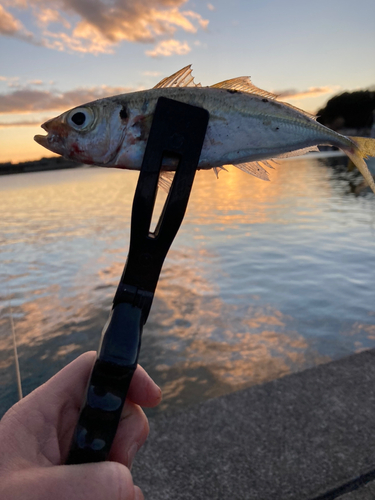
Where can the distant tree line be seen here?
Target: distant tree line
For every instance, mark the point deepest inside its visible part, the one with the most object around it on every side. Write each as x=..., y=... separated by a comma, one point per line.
x=349, y=110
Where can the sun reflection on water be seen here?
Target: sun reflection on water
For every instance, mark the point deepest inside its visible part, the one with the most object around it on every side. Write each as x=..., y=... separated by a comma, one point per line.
x=262, y=280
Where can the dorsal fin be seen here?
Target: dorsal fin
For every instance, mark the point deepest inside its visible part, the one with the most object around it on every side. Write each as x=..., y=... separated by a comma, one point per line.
x=243, y=84
x=306, y=113
x=182, y=78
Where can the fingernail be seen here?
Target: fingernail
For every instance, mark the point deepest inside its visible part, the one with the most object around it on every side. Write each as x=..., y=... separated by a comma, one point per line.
x=160, y=393
x=131, y=454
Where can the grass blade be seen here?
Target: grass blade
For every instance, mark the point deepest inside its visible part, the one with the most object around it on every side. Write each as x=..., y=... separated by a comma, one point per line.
x=18, y=373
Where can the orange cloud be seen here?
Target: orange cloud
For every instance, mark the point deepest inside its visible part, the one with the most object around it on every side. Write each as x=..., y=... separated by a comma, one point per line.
x=311, y=92
x=97, y=27
x=48, y=16
x=84, y=40
x=22, y=123
x=9, y=79
x=168, y=48
x=9, y=25
x=29, y=100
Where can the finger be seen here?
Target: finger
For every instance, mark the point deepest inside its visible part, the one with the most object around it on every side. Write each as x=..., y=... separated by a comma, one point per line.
x=131, y=434
x=138, y=493
x=94, y=481
x=60, y=398
x=68, y=385
x=58, y=402
x=143, y=391
x=50, y=410
x=66, y=389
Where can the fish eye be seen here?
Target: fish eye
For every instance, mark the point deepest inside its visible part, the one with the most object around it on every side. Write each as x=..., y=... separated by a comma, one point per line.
x=80, y=118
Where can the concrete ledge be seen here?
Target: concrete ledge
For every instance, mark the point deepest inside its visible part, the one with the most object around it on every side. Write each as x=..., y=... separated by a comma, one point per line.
x=367, y=492
x=296, y=438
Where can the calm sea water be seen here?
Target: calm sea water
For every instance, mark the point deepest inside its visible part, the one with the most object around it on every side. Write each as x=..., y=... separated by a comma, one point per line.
x=263, y=279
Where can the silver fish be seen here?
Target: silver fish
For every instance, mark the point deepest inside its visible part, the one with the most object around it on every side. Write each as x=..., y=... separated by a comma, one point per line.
x=247, y=127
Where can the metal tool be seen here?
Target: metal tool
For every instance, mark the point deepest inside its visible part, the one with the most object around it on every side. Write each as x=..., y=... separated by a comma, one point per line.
x=177, y=132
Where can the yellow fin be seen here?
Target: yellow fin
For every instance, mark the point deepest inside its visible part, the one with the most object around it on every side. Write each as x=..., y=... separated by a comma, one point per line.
x=182, y=78
x=243, y=84
x=364, y=147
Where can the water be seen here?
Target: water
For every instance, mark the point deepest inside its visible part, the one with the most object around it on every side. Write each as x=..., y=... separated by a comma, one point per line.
x=263, y=279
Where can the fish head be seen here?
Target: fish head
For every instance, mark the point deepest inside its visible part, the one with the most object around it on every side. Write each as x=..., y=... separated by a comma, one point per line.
x=92, y=133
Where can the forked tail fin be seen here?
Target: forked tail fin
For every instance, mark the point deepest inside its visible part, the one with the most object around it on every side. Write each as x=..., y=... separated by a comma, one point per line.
x=365, y=147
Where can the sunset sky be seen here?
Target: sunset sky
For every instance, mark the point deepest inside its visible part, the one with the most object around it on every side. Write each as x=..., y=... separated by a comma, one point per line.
x=57, y=54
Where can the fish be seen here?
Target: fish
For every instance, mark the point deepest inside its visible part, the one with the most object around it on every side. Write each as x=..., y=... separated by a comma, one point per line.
x=248, y=127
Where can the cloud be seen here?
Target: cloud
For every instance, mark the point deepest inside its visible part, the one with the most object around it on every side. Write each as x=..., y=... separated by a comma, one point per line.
x=210, y=7
x=6, y=79
x=203, y=23
x=47, y=16
x=29, y=100
x=98, y=25
x=10, y=26
x=93, y=42
x=311, y=92
x=168, y=48
x=14, y=82
x=22, y=123
x=11, y=81
x=32, y=98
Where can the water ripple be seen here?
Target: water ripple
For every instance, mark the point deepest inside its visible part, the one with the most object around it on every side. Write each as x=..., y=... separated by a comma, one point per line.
x=263, y=279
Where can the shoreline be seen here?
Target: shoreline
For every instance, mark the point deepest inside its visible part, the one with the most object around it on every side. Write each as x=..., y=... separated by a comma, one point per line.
x=44, y=164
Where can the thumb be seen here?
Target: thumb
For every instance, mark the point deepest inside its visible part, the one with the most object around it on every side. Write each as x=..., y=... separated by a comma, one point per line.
x=94, y=481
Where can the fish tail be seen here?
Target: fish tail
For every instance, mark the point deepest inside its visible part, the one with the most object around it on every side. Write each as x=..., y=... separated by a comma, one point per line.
x=363, y=148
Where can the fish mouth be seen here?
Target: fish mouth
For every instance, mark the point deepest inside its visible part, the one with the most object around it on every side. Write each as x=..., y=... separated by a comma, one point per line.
x=42, y=139
x=50, y=141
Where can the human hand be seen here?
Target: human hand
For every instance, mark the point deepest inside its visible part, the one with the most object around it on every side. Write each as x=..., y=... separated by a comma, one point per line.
x=35, y=436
